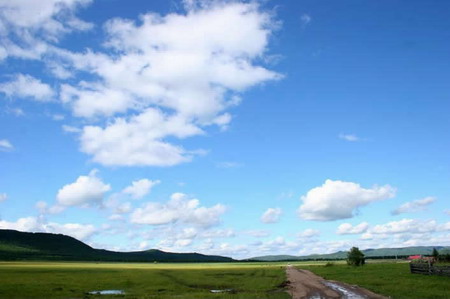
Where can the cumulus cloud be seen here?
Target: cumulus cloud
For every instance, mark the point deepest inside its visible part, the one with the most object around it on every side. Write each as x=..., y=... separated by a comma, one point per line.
x=272, y=215
x=308, y=233
x=409, y=226
x=257, y=233
x=33, y=224
x=26, y=86
x=218, y=233
x=349, y=229
x=339, y=200
x=138, y=141
x=414, y=206
x=179, y=209
x=179, y=72
x=5, y=145
x=28, y=34
x=140, y=188
x=84, y=191
x=3, y=197
x=44, y=208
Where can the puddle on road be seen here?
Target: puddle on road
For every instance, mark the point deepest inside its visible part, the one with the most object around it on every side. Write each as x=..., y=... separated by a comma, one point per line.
x=223, y=291
x=107, y=292
x=346, y=293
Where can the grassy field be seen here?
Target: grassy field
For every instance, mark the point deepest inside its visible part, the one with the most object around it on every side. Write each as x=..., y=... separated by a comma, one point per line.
x=139, y=280
x=249, y=280
x=389, y=279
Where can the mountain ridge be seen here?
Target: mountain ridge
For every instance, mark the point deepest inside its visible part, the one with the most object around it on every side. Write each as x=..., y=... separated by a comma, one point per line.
x=16, y=245
x=399, y=252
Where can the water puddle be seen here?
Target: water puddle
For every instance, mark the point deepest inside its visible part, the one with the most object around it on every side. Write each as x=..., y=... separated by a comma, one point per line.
x=107, y=292
x=346, y=293
x=223, y=291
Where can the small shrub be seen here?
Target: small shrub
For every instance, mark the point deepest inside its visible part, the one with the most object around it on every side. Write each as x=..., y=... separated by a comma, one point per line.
x=329, y=264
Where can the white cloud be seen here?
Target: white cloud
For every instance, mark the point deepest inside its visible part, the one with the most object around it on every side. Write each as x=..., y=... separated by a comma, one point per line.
x=308, y=233
x=5, y=145
x=138, y=141
x=180, y=208
x=28, y=34
x=144, y=245
x=16, y=111
x=219, y=233
x=22, y=224
x=124, y=208
x=26, y=86
x=348, y=229
x=70, y=129
x=339, y=200
x=76, y=230
x=191, y=66
x=228, y=165
x=140, y=188
x=349, y=137
x=409, y=226
x=257, y=233
x=33, y=224
x=116, y=217
x=85, y=190
x=414, y=206
x=58, y=117
x=278, y=245
x=305, y=19
x=3, y=197
x=44, y=208
x=272, y=215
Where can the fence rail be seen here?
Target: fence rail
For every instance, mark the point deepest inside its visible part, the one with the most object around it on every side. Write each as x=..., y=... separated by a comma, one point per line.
x=429, y=269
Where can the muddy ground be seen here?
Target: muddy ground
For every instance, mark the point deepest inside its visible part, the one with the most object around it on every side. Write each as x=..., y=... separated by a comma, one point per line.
x=303, y=284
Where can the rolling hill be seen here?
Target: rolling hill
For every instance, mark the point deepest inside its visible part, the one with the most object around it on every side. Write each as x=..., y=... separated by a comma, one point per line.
x=369, y=253
x=15, y=245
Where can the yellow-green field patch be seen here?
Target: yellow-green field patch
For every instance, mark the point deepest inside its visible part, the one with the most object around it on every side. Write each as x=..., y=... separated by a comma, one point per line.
x=140, y=280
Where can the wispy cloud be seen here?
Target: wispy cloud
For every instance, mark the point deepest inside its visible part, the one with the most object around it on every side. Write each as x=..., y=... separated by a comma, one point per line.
x=228, y=164
x=3, y=197
x=5, y=145
x=305, y=19
x=349, y=137
x=414, y=206
x=272, y=215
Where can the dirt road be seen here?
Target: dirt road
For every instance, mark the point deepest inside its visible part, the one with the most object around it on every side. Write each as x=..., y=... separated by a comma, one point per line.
x=304, y=284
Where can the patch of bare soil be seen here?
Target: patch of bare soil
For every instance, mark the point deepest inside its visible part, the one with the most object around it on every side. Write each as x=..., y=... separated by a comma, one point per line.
x=303, y=284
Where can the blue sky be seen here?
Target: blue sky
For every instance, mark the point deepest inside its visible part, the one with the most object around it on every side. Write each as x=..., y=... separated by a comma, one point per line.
x=226, y=127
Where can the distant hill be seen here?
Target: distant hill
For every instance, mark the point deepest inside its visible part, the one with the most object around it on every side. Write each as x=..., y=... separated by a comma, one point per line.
x=369, y=253
x=15, y=245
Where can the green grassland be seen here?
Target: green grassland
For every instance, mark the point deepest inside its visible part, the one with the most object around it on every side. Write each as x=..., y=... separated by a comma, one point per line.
x=195, y=280
x=140, y=280
x=389, y=279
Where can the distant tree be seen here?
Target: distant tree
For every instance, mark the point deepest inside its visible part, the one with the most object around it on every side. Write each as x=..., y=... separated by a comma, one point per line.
x=435, y=254
x=446, y=257
x=355, y=257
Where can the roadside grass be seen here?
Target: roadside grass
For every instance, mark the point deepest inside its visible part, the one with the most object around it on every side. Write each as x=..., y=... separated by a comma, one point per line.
x=140, y=280
x=389, y=279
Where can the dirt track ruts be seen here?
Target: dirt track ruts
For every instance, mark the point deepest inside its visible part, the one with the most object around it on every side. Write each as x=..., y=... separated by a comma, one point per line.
x=303, y=284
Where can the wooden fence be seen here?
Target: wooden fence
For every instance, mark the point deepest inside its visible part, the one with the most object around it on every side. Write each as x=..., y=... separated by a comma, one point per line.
x=427, y=269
